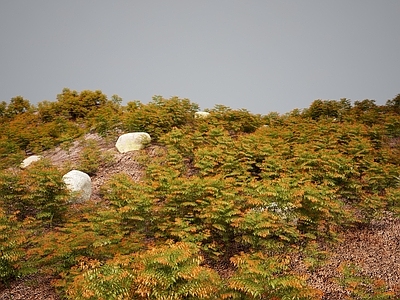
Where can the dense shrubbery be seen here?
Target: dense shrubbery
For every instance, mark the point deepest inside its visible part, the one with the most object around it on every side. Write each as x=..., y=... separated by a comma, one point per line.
x=12, y=242
x=224, y=203
x=159, y=116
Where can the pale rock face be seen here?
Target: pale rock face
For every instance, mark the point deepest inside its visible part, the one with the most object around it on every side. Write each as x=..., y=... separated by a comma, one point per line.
x=132, y=141
x=79, y=184
x=31, y=159
x=201, y=114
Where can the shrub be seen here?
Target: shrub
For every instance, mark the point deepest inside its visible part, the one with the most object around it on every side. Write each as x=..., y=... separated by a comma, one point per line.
x=159, y=116
x=38, y=191
x=12, y=242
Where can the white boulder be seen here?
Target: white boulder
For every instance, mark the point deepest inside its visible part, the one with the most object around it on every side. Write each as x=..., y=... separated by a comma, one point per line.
x=132, y=141
x=79, y=184
x=201, y=114
x=31, y=159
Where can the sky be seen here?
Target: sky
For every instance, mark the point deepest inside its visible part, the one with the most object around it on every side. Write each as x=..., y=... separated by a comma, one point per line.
x=261, y=55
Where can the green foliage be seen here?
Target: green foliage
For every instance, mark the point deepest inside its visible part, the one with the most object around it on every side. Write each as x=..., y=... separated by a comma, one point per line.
x=106, y=120
x=65, y=245
x=12, y=241
x=47, y=111
x=10, y=153
x=74, y=105
x=46, y=191
x=131, y=203
x=37, y=192
x=394, y=104
x=222, y=205
x=17, y=105
x=22, y=129
x=367, y=112
x=3, y=108
x=328, y=109
x=109, y=281
x=173, y=271
x=393, y=198
x=360, y=286
x=235, y=121
x=261, y=277
x=91, y=158
x=392, y=127
x=28, y=133
x=159, y=116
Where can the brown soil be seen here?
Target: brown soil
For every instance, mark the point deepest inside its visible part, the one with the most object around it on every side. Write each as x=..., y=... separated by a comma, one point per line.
x=68, y=159
x=375, y=249
x=29, y=288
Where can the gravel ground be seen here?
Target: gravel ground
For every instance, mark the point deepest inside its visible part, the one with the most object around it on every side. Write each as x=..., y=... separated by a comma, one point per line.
x=374, y=249
x=30, y=288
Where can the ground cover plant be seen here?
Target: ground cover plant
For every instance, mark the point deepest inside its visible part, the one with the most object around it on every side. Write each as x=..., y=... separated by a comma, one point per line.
x=226, y=207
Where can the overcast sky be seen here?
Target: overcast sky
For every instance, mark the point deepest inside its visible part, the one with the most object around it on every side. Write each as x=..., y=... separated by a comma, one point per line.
x=260, y=55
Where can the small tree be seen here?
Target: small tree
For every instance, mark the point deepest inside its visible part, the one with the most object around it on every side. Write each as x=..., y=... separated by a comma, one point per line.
x=17, y=105
x=159, y=116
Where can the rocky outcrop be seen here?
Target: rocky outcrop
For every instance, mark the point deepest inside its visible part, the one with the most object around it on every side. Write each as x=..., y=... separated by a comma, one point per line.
x=132, y=141
x=79, y=184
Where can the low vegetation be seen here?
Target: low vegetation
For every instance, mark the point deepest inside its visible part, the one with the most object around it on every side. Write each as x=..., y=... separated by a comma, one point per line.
x=224, y=204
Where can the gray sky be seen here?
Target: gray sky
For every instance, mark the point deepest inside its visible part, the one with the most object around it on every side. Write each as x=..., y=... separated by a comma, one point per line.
x=256, y=54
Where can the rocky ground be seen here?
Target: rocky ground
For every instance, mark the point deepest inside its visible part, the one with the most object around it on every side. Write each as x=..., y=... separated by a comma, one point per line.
x=374, y=249
x=30, y=288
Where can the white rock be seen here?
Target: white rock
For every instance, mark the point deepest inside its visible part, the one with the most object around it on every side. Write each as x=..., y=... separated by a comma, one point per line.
x=31, y=159
x=201, y=114
x=132, y=141
x=79, y=184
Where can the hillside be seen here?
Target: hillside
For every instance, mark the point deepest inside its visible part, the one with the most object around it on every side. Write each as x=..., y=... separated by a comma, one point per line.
x=229, y=206
x=375, y=247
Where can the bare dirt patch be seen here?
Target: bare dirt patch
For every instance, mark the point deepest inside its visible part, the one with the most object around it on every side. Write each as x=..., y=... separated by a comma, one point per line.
x=374, y=249
x=68, y=159
x=33, y=287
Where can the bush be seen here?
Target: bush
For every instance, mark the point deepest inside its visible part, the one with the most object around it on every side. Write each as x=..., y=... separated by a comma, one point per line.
x=159, y=116
x=38, y=191
x=12, y=242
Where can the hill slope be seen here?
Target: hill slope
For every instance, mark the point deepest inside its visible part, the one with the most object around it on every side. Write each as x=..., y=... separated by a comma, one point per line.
x=229, y=206
x=374, y=248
